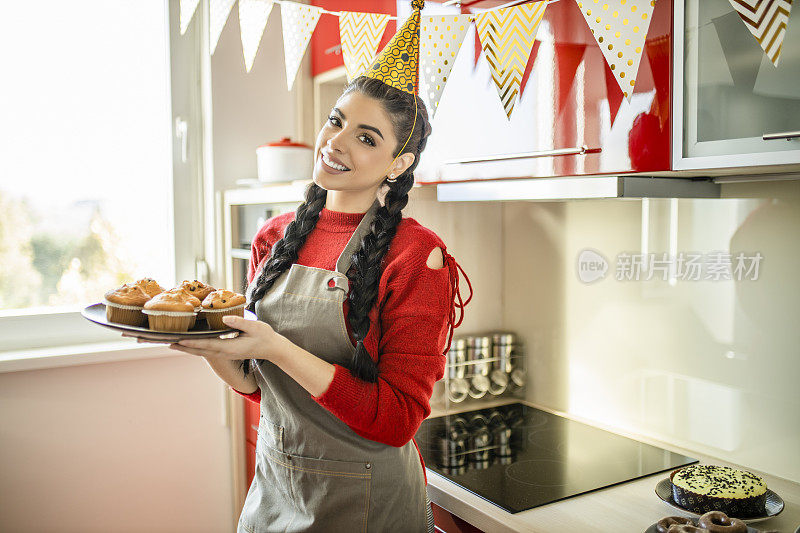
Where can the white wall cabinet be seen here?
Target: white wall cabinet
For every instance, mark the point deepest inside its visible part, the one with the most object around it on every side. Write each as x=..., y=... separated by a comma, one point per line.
x=734, y=108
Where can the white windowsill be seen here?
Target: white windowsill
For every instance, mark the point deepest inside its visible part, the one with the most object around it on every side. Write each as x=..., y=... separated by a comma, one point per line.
x=80, y=354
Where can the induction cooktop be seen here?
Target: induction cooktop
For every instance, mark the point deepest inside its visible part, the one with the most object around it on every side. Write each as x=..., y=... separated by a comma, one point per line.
x=519, y=457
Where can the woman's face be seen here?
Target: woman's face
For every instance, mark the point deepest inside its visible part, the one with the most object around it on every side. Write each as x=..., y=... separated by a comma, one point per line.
x=356, y=146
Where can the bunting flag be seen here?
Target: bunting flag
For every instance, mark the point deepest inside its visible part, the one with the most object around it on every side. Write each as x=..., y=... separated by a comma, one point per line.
x=440, y=41
x=507, y=36
x=219, y=11
x=767, y=21
x=188, y=7
x=620, y=28
x=529, y=67
x=613, y=93
x=360, y=34
x=298, y=21
x=253, y=15
x=568, y=58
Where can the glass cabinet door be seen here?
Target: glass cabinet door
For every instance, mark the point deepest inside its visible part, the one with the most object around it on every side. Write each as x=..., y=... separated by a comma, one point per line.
x=738, y=109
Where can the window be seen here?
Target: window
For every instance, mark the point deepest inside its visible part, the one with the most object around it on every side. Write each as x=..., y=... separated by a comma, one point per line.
x=86, y=158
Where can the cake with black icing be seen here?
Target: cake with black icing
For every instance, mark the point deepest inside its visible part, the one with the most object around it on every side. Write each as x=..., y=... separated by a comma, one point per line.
x=702, y=488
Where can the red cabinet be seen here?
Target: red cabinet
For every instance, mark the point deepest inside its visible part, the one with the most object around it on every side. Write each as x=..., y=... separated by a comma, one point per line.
x=252, y=414
x=569, y=101
x=450, y=523
x=325, y=54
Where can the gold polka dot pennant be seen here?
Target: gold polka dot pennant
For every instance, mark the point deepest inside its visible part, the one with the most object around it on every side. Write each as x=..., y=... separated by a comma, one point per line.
x=298, y=22
x=397, y=65
x=253, y=15
x=440, y=39
x=620, y=28
x=219, y=10
x=360, y=34
x=507, y=36
x=188, y=7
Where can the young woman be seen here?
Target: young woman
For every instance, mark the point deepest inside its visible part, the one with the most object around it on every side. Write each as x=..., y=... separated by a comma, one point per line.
x=356, y=306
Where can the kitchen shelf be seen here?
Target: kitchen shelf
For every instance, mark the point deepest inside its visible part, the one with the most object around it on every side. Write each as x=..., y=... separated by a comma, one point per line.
x=240, y=253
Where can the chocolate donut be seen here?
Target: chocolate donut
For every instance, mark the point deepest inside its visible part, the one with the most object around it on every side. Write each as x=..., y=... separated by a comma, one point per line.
x=663, y=525
x=719, y=522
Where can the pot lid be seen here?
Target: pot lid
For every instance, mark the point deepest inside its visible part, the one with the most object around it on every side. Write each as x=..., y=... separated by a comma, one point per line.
x=286, y=142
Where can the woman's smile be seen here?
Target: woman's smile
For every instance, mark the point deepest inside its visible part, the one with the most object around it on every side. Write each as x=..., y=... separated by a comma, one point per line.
x=331, y=164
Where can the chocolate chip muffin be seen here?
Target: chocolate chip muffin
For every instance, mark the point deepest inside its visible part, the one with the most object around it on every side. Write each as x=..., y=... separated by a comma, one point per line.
x=220, y=303
x=169, y=311
x=124, y=305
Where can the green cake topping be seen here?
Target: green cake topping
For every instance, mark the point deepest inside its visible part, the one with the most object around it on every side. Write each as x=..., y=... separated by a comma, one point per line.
x=719, y=481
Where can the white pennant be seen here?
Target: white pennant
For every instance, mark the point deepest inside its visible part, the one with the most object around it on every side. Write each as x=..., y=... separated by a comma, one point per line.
x=440, y=38
x=620, y=28
x=188, y=7
x=253, y=15
x=219, y=10
x=298, y=22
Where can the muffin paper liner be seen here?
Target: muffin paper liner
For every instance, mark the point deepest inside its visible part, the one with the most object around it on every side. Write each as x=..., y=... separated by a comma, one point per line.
x=130, y=315
x=214, y=316
x=169, y=320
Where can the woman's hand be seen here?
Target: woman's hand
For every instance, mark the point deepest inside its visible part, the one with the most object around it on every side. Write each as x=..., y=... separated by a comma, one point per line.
x=257, y=340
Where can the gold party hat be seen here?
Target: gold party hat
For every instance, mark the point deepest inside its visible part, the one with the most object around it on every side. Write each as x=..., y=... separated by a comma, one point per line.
x=398, y=63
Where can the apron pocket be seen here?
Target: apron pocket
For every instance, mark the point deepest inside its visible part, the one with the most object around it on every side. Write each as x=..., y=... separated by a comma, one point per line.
x=328, y=495
x=271, y=433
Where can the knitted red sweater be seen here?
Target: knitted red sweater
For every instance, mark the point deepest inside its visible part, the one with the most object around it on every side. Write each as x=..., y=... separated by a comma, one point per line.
x=410, y=325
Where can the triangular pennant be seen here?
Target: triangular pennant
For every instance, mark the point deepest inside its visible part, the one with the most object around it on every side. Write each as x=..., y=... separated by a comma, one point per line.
x=767, y=21
x=742, y=55
x=298, y=22
x=568, y=58
x=219, y=11
x=360, y=34
x=529, y=67
x=507, y=36
x=253, y=15
x=613, y=93
x=440, y=40
x=188, y=7
x=620, y=28
x=658, y=52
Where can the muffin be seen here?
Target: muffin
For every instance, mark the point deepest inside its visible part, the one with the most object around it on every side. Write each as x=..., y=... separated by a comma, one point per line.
x=169, y=311
x=124, y=305
x=199, y=290
x=703, y=488
x=150, y=286
x=195, y=301
x=221, y=303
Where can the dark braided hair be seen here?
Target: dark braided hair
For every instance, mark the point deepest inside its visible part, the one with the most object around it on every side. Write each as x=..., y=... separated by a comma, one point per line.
x=366, y=268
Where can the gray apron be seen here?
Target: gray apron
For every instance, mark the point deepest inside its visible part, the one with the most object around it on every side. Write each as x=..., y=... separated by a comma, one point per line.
x=314, y=473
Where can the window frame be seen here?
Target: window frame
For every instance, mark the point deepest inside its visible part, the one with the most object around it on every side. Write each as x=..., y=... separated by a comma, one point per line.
x=192, y=230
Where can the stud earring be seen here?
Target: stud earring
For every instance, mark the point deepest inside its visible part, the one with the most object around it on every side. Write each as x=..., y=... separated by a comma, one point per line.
x=391, y=178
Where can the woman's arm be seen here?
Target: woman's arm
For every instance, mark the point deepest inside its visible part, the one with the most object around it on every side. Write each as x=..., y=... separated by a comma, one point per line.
x=230, y=372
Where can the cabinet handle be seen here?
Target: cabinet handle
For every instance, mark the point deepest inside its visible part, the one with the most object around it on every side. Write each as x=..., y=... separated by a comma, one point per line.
x=579, y=150
x=788, y=135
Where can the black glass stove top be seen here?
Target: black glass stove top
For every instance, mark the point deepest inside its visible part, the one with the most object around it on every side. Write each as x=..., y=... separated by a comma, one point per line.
x=519, y=457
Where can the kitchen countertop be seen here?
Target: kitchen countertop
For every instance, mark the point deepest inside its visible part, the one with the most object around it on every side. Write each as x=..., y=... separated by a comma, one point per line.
x=630, y=507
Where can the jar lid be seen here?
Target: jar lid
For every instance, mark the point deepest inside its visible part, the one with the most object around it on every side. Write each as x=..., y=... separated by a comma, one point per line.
x=286, y=142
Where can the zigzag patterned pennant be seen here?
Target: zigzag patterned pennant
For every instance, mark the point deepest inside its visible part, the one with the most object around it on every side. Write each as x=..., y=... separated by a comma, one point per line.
x=620, y=28
x=298, y=21
x=440, y=40
x=188, y=7
x=507, y=37
x=253, y=15
x=219, y=10
x=360, y=34
x=767, y=21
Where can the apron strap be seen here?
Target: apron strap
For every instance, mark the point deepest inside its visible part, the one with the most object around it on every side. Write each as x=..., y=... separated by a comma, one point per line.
x=457, y=301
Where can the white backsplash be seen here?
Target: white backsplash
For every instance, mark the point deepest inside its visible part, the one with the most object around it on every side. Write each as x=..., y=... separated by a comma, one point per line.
x=710, y=365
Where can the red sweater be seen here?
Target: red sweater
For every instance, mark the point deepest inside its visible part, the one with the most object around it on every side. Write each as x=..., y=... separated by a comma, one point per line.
x=410, y=325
